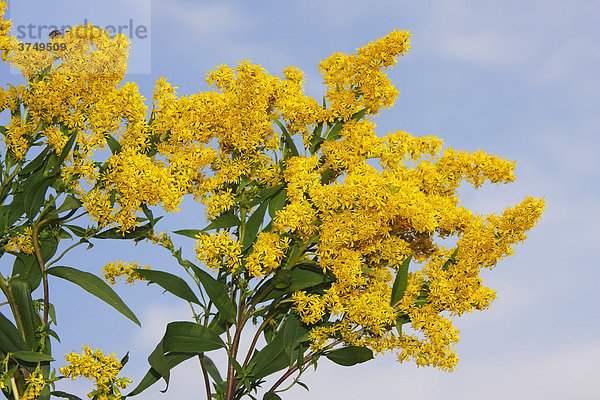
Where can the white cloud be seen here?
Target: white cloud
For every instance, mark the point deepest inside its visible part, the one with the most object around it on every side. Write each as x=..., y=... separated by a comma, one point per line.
x=155, y=320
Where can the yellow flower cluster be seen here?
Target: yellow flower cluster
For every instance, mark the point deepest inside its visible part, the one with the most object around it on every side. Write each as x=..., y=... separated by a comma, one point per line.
x=6, y=40
x=267, y=253
x=219, y=250
x=21, y=243
x=102, y=369
x=35, y=385
x=118, y=269
x=358, y=80
x=161, y=239
x=374, y=219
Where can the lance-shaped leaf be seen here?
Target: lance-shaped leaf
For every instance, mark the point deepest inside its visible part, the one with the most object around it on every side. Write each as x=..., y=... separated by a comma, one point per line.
x=358, y=115
x=277, y=202
x=271, y=358
x=351, y=355
x=35, y=193
x=27, y=268
x=10, y=338
x=271, y=396
x=191, y=233
x=152, y=376
x=171, y=283
x=70, y=203
x=211, y=368
x=67, y=148
x=31, y=356
x=113, y=144
x=22, y=297
x=253, y=226
x=288, y=139
x=316, y=140
x=294, y=333
x=64, y=395
x=36, y=163
x=180, y=337
x=401, y=320
x=189, y=337
x=451, y=260
x=114, y=233
x=96, y=286
x=334, y=132
x=227, y=220
x=217, y=292
x=400, y=282
x=267, y=194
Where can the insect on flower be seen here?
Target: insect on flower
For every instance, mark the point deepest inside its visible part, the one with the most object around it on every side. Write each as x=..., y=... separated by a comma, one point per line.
x=55, y=33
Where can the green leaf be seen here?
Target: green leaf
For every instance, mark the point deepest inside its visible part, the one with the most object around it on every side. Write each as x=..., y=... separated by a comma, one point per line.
x=288, y=139
x=224, y=221
x=277, y=203
x=31, y=320
x=159, y=363
x=316, y=140
x=77, y=230
x=70, y=203
x=401, y=320
x=400, y=282
x=450, y=261
x=67, y=149
x=17, y=208
x=271, y=191
x=189, y=337
x=48, y=247
x=303, y=277
x=64, y=395
x=27, y=268
x=282, y=279
x=10, y=337
x=271, y=358
x=358, y=115
x=152, y=376
x=293, y=334
x=334, y=132
x=114, y=233
x=171, y=283
x=96, y=286
x=191, y=233
x=351, y=355
x=253, y=225
x=218, y=294
x=35, y=192
x=113, y=144
x=31, y=356
x=35, y=164
x=211, y=368
x=271, y=396
x=327, y=176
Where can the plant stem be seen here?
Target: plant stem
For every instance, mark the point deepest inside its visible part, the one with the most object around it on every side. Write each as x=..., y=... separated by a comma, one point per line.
x=234, y=349
x=293, y=369
x=205, y=374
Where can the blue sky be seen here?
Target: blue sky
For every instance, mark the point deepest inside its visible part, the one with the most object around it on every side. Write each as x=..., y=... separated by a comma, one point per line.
x=517, y=79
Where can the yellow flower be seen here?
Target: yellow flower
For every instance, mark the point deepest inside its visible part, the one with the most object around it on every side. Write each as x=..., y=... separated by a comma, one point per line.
x=100, y=368
x=117, y=269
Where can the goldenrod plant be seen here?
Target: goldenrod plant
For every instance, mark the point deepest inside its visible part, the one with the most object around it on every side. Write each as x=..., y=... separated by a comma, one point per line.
x=333, y=242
